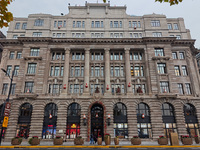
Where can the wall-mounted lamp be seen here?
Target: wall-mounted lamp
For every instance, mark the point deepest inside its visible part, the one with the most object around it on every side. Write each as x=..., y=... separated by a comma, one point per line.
x=84, y=120
x=108, y=120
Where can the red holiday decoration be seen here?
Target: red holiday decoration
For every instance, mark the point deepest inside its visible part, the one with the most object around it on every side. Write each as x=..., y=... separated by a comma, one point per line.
x=96, y=115
x=86, y=85
x=143, y=116
x=107, y=88
x=129, y=85
x=84, y=116
x=50, y=116
x=64, y=86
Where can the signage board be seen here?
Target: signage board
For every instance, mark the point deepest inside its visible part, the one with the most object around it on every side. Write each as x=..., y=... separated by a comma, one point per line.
x=5, y=122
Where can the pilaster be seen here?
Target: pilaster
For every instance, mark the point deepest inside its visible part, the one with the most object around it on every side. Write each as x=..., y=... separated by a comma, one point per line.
x=128, y=72
x=107, y=71
x=87, y=72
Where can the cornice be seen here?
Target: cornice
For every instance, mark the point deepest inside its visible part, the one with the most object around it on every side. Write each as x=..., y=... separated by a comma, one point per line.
x=119, y=41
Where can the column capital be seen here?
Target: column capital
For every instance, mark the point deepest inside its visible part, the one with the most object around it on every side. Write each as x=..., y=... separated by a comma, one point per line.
x=127, y=50
x=67, y=50
x=106, y=49
x=87, y=50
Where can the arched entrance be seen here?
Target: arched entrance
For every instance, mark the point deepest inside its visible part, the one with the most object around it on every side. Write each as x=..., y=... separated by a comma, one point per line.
x=97, y=125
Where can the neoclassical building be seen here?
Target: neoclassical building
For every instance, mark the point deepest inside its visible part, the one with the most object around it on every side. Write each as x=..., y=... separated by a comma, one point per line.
x=97, y=70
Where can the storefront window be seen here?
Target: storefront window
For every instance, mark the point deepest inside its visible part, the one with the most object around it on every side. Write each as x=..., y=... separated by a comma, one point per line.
x=73, y=121
x=169, y=121
x=144, y=121
x=191, y=121
x=120, y=120
x=50, y=120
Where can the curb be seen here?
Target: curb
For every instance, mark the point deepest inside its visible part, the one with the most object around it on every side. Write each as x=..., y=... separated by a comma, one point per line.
x=109, y=146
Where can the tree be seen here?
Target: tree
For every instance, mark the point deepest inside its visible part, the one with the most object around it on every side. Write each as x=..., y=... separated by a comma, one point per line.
x=5, y=15
x=172, y=2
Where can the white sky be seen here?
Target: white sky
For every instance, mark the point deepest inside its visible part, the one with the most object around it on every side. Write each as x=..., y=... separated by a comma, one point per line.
x=188, y=9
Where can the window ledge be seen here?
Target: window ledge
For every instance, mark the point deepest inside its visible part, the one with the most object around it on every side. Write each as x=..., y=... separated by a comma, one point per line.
x=30, y=74
x=32, y=58
x=166, y=95
x=27, y=96
x=160, y=58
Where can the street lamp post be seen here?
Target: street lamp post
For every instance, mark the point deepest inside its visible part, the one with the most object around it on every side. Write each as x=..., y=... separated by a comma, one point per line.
x=7, y=100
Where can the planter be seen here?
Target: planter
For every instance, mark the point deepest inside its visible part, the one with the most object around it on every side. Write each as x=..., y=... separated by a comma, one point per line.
x=163, y=141
x=78, y=141
x=16, y=141
x=116, y=140
x=34, y=141
x=58, y=141
x=135, y=141
x=196, y=140
x=99, y=141
x=107, y=140
x=187, y=141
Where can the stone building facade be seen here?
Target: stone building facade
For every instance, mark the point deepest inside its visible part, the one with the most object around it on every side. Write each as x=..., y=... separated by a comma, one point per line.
x=1, y=48
x=98, y=70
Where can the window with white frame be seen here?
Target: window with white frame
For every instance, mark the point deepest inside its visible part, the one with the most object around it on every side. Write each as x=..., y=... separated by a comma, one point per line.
x=164, y=87
x=28, y=87
x=180, y=88
x=137, y=71
x=39, y=22
x=15, y=36
x=135, y=35
x=177, y=71
x=116, y=56
x=175, y=26
x=77, y=71
x=55, y=88
x=76, y=88
x=178, y=37
x=93, y=88
x=9, y=68
x=97, y=71
x=24, y=25
x=19, y=55
x=161, y=68
x=31, y=68
x=117, y=88
x=57, y=71
x=12, y=54
x=184, y=70
x=97, y=35
x=159, y=51
x=16, y=70
x=79, y=24
x=115, y=24
x=116, y=70
x=4, y=89
x=78, y=35
x=157, y=34
x=78, y=56
x=181, y=55
x=169, y=25
x=97, y=56
x=35, y=52
x=12, y=92
x=116, y=35
x=97, y=24
x=155, y=23
x=188, y=89
x=58, y=56
x=37, y=34
x=17, y=25
x=174, y=55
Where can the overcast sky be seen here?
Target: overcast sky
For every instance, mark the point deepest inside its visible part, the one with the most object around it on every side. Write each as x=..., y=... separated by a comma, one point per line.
x=188, y=9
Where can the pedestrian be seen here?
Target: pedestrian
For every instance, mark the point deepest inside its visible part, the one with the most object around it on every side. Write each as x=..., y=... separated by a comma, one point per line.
x=91, y=139
x=95, y=139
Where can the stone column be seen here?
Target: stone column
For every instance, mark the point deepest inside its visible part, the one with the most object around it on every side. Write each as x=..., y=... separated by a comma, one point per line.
x=87, y=72
x=66, y=72
x=107, y=70
x=128, y=70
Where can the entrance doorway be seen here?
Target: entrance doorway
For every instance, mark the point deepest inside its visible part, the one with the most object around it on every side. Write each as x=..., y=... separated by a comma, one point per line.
x=97, y=121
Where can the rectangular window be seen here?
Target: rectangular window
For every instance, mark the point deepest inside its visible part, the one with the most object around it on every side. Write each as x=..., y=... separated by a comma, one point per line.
x=83, y=24
x=92, y=71
x=19, y=55
x=188, y=89
x=12, y=92
x=102, y=71
x=180, y=88
x=76, y=88
x=17, y=25
x=134, y=24
x=174, y=55
x=97, y=24
x=64, y=24
x=31, y=68
x=92, y=24
x=52, y=71
x=116, y=24
x=28, y=87
x=159, y=52
x=177, y=71
x=39, y=22
x=35, y=52
x=97, y=71
x=169, y=25
x=57, y=71
x=24, y=25
x=137, y=71
x=16, y=70
x=59, y=24
x=82, y=71
x=157, y=34
x=164, y=87
x=178, y=37
x=4, y=89
x=161, y=67
x=122, y=71
x=117, y=71
x=74, y=24
x=71, y=88
x=37, y=34
x=72, y=71
x=12, y=54
x=61, y=71
x=184, y=70
x=101, y=24
x=135, y=56
x=15, y=36
x=139, y=24
x=111, y=24
x=181, y=55
x=55, y=24
x=78, y=24
x=77, y=71
x=175, y=26
x=155, y=23
x=9, y=68
x=120, y=24
x=111, y=71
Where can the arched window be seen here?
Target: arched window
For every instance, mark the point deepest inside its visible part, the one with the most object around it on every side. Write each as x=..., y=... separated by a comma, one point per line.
x=24, y=120
x=169, y=121
x=120, y=120
x=144, y=121
x=50, y=120
x=191, y=120
x=73, y=120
